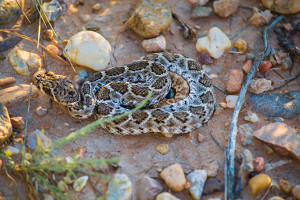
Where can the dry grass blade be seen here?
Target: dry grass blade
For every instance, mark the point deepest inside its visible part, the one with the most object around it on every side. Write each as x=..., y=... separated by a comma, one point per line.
x=36, y=42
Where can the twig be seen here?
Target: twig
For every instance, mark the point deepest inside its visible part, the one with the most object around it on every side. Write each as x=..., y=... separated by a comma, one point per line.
x=221, y=90
x=36, y=42
x=290, y=80
x=279, y=163
x=229, y=156
x=246, y=26
x=27, y=115
x=188, y=31
x=218, y=143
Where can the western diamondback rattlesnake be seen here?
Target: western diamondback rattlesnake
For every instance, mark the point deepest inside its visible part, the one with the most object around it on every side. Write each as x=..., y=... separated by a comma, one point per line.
x=116, y=90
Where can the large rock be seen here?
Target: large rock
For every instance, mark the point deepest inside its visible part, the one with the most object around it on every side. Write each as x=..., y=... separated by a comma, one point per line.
x=119, y=188
x=196, y=179
x=10, y=10
x=283, y=6
x=5, y=124
x=150, y=18
x=281, y=137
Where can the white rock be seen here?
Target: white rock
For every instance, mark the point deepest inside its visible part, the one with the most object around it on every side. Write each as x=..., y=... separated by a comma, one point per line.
x=166, y=196
x=231, y=100
x=155, y=44
x=24, y=63
x=260, y=85
x=196, y=179
x=89, y=49
x=198, y=2
x=251, y=117
x=12, y=150
x=215, y=43
x=119, y=188
x=80, y=183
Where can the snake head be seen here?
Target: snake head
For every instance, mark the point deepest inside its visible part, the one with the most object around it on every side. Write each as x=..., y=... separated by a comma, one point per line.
x=60, y=88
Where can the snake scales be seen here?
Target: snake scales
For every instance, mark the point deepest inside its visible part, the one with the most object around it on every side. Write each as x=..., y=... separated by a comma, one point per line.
x=117, y=90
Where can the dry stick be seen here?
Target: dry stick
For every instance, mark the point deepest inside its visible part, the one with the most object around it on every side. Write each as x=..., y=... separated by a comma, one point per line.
x=229, y=153
x=36, y=42
x=290, y=80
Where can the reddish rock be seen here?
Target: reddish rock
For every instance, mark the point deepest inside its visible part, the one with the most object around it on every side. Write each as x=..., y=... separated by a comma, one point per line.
x=259, y=164
x=264, y=66
x=247, y=66
x=17, y=122
x=205, y=58
x=280, y=137
x=148, y=188
x=235, y=81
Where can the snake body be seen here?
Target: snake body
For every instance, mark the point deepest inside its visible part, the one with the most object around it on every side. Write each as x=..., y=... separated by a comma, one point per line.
x=117, y=90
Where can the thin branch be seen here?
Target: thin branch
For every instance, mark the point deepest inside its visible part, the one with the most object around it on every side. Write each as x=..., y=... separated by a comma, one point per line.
x=224, y=91
x=231, y=37
x=290, y=80
x=229, y=156
x=218, y=143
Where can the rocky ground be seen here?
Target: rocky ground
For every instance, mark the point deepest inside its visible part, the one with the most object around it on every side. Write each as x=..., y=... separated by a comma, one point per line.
x=268, y=124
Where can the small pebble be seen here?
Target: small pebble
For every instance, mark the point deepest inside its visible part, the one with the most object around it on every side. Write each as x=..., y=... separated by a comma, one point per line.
x=246, y=132
x=211, y=168
x=201, y=11
x=215, y=43
x=17, y=123
x=276, y=198
x=225, y=8
x=166, y=196
x=53, y=49
x=259, y=164
x=5, y=124
x=148, y=188
x=259, y=183
x=41, y=111
x=251, y=117
x=247, y=66
x=260, y=18
x=264, y=66
x=155, y=44
x=260, y=85
x=280, y=55
x=223, y=105
x=174, y=177
x=235, y=81
x=89, y=49
x=93, y=26
x=199, y=2
x=205, y=58
x=7, y=81
x=231, y=100
x=296, y=192
x=24, y=63
x=80, y=183
x=240, y=45
x=52, y=10
x=33, y=137
x=96, y=7
x=250, y=56
x=48, y=35
x=212, y=185
x=200, y=137
x=286, y=63
x=12, y=150
x=196, y=181
x=162, y=148
x=119, y=187
x=285, y=186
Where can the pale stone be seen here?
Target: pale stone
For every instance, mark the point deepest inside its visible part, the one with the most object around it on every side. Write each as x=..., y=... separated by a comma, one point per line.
x=231, y=100
x=260, y=85
x=24, y=63
x=166, y=196
x=174, y=177
x=80, y=183
x=251, y=117
x=215, y=43
x=196, y=179
x=225, y=8
x=283, y=6
x=260, y=18
x=199, y=2
x=211, y=168
x=223, y=105
x=155, y=44
x=12, y=150
x=89, y=49
x=119, y=188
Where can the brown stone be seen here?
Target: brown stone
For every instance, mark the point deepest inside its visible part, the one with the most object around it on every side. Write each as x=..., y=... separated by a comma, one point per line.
x=260, y=18
x=174, y=177
x=264, y=66
x=283, y=6
x=7, y=81
x=296, y=192
x=150, y=18
x=235, y=81
x=285, y=186
x=18, y=122
x=259, y=164
x=281, y=137
x=225, y=8
x=247, y=66
x=148, y=188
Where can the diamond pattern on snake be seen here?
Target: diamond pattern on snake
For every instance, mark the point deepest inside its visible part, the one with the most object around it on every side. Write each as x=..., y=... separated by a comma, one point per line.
x=116, y=90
